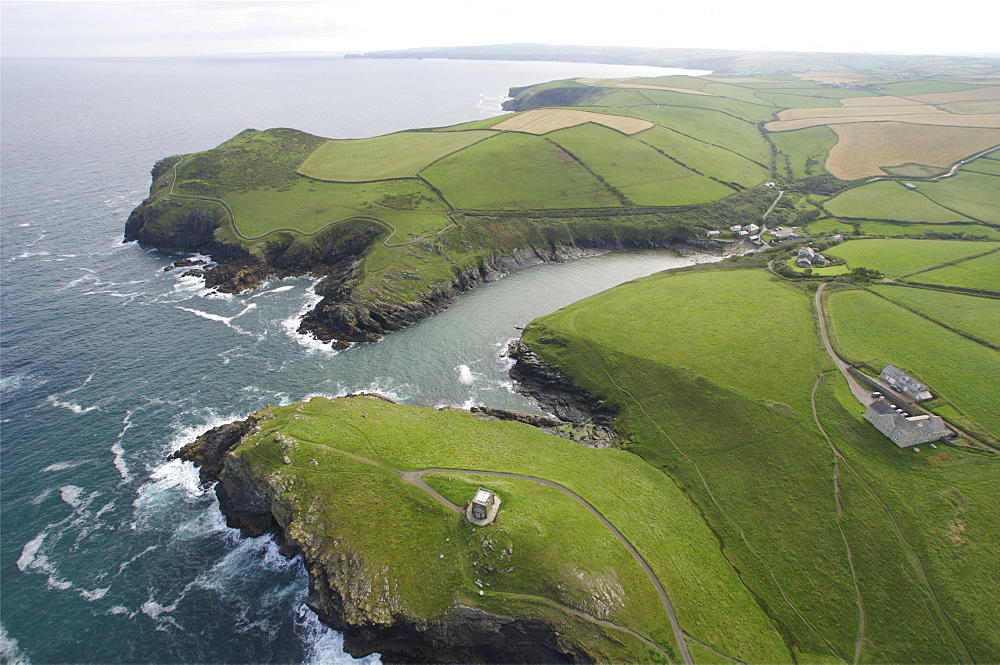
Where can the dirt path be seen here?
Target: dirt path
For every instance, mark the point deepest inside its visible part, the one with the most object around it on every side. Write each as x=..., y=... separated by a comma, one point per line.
x=862, y=394
x=416, y=478
x=714, y=499
x=862, y=619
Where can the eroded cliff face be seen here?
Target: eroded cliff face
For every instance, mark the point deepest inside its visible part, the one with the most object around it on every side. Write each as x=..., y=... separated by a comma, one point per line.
x=554, y=391
x=343, y=591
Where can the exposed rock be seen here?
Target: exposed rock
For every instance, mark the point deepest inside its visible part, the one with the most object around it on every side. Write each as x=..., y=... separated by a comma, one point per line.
x=338, y=591
x=555, y=391
x=588, y=433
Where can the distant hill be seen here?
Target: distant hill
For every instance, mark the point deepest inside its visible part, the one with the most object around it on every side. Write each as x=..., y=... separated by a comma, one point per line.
x=720, y=61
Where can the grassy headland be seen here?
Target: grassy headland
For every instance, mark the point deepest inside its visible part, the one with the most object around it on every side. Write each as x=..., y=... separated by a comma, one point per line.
x=406, y=220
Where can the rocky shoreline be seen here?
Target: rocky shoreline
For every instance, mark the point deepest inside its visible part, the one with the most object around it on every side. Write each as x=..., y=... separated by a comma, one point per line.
x=255, y=505
x=341, y=317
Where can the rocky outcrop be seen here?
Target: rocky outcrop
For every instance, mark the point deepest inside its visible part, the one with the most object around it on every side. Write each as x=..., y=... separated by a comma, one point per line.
x=339, y=592
x=554, y=391
x=588, y=433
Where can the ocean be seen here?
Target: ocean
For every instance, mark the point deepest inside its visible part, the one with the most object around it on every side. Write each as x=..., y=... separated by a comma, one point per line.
x=109, y=552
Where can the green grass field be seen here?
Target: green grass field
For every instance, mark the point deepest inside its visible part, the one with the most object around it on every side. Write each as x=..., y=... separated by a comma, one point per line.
x=975, y=231
x=515, y=171
x=400, y=155
x=829, y=225
x=642, y=174
x=971, y=314
x=553, y=540
x=758, y=111
x=956, y=369
x=717, y=396
x=713, y=127
x=895, y=258
x=979, y=273
x=975, y=195
x=804, y=151
x=309, y=205
x=983, y=165
x=890, y=200
x=711, y=160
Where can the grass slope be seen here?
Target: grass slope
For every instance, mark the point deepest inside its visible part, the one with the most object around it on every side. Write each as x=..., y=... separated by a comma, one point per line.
x=515, y=171
x=974, y=315
x=956, y=369
x=549, y=551
x=890, y=200
x=644, y=175
x=979, y=273
x=398, y=155
x=896, y=258
x=711, y=371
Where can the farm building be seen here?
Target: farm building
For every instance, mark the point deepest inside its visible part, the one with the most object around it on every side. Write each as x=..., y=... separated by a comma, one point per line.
x=902, y=430
x=752, y=228
x=735, y=228
x=483, y=508
x=909, y=185
x=714, y=234
x=904, y=383
x=809, y=257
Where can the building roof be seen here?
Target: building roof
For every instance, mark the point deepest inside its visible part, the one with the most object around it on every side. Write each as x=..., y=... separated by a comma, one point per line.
x=882, y=407
x=482, y=497
x=900, y=379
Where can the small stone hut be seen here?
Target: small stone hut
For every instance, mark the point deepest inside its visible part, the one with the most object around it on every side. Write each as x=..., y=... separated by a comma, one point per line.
x=483, y=508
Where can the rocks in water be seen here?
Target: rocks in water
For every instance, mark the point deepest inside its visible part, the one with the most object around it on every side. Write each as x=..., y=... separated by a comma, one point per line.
x=555, y=391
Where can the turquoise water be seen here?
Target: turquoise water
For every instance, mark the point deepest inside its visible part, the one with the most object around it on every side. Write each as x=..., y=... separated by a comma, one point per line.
x=110, y=552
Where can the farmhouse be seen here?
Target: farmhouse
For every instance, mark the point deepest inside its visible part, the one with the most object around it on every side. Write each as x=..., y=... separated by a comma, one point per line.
x=483, y=508
x=809, y=257
x=752, y=228
x=905, y=431
x=902, y=382
x=714, y=234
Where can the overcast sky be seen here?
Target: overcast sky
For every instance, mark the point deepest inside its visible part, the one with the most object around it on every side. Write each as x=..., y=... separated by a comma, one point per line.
x=180, y=27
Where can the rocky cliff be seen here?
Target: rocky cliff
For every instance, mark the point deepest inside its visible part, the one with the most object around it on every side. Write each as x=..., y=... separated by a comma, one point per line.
x=338, y=590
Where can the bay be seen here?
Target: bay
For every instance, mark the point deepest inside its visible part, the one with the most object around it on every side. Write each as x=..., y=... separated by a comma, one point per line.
x=110, y=552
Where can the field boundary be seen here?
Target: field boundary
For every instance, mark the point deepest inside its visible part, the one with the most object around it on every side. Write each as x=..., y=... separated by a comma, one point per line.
x=308, y=234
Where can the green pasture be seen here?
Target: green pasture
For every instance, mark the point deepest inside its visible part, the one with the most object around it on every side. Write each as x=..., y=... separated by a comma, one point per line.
x=638, y=171
x=829, y=225
x=733, y=91
x=399, y=155
x=890, y=200
x=898, y=257
x=712, y=127
x=757, y=111
x=975, y=195
x=789, y=100
x=975, y=231
x=644, y=505
x=309, y=205
x=944, y=502
x=485, y=123
x=543, y=543
x=711, y=372
x=622, y=98
x=983, y=165
x=515, y=171
x=673, y=81
x=979, y=273
x=956, y=369
x=804, y=151
x=706, y=158
x=249, y=160
x=907, y=88
x=972, y=314
x=913, y=170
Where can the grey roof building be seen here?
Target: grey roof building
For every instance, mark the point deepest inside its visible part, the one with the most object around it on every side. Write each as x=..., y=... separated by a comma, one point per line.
x=905, y=383
x=905, y=431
